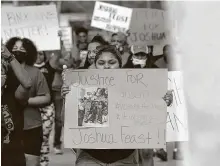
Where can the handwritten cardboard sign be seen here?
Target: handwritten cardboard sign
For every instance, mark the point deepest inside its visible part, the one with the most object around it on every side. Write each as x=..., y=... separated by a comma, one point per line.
x=37, y=23
x=148, y=26
x=110, y=17
x=67, y=37
x=177, y=125
x=137, y=112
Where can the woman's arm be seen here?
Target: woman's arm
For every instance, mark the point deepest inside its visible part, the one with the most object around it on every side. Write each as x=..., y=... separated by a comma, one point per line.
x=21, y=74
x=19, y=71
x=42, y=96
x=22, y=95
x=39, y=100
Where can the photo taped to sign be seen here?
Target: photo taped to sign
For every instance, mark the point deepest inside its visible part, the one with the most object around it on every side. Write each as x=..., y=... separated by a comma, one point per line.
x=93, y=107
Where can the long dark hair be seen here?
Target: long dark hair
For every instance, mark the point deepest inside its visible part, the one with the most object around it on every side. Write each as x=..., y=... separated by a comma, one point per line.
x=28, y=45
x=96, y=39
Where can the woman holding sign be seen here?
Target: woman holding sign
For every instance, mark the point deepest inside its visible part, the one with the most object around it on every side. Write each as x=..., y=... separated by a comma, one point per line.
x=108, y=57
x=39, y=95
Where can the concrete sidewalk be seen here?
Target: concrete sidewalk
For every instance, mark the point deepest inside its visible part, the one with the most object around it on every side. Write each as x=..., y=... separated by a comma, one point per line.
x=67, y=159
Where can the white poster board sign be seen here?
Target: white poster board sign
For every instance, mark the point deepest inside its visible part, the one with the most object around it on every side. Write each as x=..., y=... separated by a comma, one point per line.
x=177, y=123
x=37, y=23
x=133, y=112
x=110, y=17
x=148, y=26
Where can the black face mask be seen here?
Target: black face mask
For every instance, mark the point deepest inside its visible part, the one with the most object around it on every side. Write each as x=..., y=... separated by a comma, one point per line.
x=20, y=56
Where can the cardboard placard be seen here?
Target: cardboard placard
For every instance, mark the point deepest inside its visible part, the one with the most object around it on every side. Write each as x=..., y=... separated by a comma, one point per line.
x=136, y=112
x=177, y=123
x=148, y=27
x=110, y=17
x=37, y=23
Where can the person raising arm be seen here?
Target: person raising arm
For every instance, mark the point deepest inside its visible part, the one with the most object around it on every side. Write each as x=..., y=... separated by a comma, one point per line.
x=15, y=94
x=21, y=74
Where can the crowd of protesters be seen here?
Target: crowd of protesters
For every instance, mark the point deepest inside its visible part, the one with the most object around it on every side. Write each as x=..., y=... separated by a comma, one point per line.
x=33, y=95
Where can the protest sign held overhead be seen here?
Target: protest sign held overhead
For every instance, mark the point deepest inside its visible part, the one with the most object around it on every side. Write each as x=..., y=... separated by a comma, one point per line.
x=177, y=125
x=38, y=23
x=111, y=18
x=148, y=27
x=129, y=109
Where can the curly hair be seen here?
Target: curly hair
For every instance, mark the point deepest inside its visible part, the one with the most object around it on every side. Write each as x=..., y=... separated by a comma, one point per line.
x=108, y=48
x=28, y=45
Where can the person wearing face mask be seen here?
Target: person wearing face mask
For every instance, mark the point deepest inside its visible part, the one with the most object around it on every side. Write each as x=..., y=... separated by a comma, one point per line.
x=139, y=58
x=47, y=112
x=39, y=96
x=95, y=42
x=15, y=85
x=108, y=57
x=120, y=41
